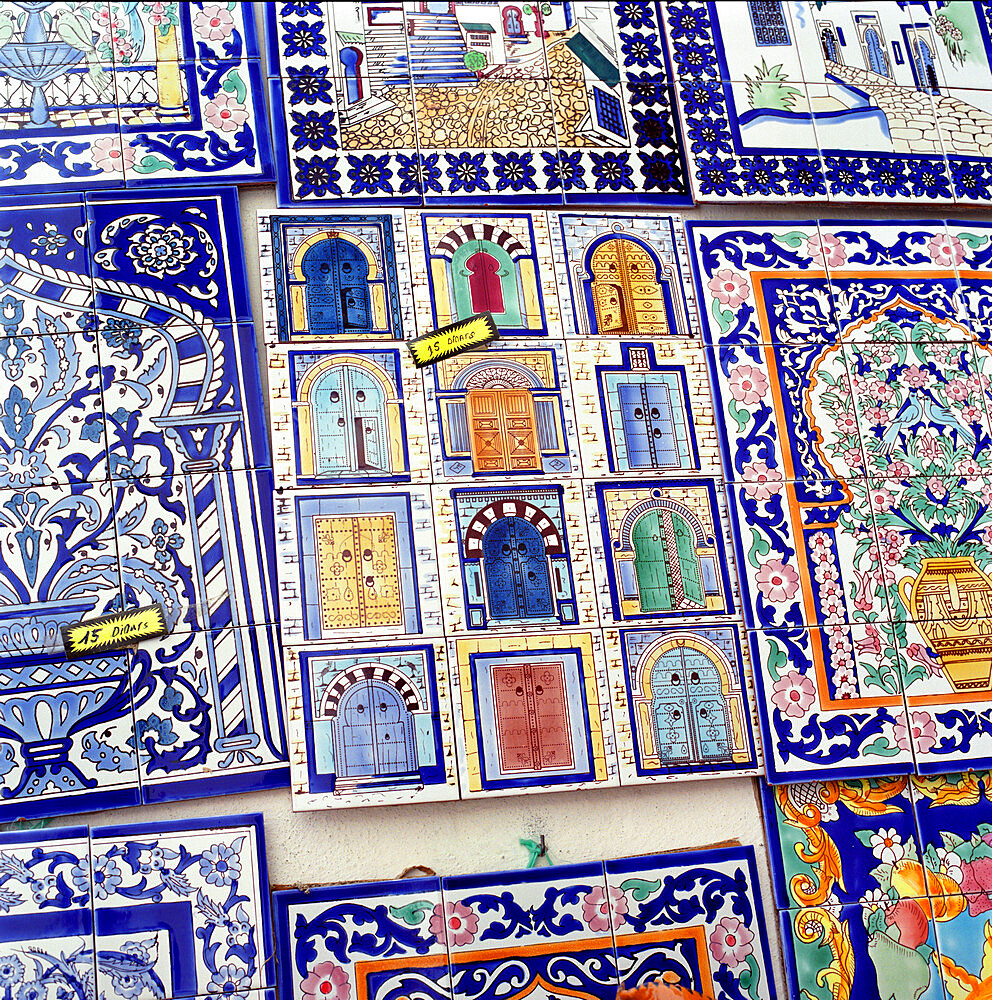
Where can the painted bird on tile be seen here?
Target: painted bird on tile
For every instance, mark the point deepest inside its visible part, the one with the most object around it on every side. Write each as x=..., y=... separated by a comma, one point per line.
x=920, y=408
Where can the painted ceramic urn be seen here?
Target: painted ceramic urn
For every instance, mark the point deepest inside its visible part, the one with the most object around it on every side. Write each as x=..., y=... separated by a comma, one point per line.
x=951, y=600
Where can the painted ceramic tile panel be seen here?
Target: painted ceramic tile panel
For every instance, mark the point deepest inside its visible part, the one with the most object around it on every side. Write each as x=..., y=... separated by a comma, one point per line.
x=132, y=461
x=504, y=547
x=370, y=725
x=692, y=919
x=850, y=372
x=110, y=94
x=178, y=910
x=681, y=702
x=881, y=880
x=855, y=102
x=462, y=102
x=532, y=713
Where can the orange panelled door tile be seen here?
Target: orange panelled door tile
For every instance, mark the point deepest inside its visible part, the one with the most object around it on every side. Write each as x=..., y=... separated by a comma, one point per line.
x=503, y=428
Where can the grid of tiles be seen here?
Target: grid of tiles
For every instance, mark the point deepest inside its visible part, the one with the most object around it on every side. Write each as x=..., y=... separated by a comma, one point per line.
x=851, y=370
x=881, y=884
x=690, y=920
x=151, y=912
x=509, y=572
x=808, y=101
x=133, y=463
x=419, y=103
x=130, y=95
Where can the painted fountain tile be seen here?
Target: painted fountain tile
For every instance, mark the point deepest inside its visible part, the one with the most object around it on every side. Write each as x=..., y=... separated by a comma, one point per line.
x=532, y=713
x=474, y=104
x=502, y=412
x=831, y=702
x=681, y=704
x=498, y=263
x=547, y=929
x=869, y=69
x=844, y=842
x=138, y=252
x=351, y=414
x=45, y=271
x=324, y=943
x=625, y=276
x=517, y=557
x=354, y=565
x=181, y=542
x=660, y=549
x=46, y=932
x=697, y=915
x=190, y=901
x=370, y=726
x=870, y=950
x=204, y=714
x=328, y=277
x=174, y=78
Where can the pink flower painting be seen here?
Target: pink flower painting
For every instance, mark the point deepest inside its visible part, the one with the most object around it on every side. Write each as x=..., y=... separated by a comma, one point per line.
x=945, y=250
x=326, y=981
x=596, y=907
x=777, y=581
x=731, y=942
x=729, y=288
x=453, y=924
x=225, y=112
x=747, y=384
x=793, y=694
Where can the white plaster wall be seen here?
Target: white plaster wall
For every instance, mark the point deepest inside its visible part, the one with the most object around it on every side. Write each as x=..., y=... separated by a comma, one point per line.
x=463, y=837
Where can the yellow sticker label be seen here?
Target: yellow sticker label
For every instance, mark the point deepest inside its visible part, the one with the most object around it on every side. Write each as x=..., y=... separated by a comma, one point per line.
x=466, y=334
x=113, y=632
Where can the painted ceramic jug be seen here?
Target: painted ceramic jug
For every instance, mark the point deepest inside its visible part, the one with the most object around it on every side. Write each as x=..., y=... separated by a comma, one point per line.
x=951, y=600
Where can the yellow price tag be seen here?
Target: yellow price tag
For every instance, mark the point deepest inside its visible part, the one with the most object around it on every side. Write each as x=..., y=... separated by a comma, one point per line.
x=113, y=632
x=466, y=334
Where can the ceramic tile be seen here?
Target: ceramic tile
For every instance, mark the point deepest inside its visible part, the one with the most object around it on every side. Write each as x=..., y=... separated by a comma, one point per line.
x=884, y=93
x=190, y=900
x=370, y=726
x=532, y=714
x=502, y=413
x=659, y=549
x=566, y=904
x=111, y=66
x=351, y=562
x=696, y=916
x=513, y=557
x=644, y=408
x=472, y=104
x=681, y=702
x=864, y=949
x=207, y=713
x=322, y=939
x=46, y=932
x=842, y=842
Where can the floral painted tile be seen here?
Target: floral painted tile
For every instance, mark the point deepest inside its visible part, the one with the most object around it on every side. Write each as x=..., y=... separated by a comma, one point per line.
x=694, y=919
x=188, y=903
x=326, y=950
x=831, y=702
x=550, y=927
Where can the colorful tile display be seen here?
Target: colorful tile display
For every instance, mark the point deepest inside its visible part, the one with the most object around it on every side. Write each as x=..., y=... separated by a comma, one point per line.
x=133, y=462
x=437, y=523
x=143, y=912
x=841, y=102
x=849, y=363
x=689, y=919
x=416, y=103
x=110, y=95
x=881, y=884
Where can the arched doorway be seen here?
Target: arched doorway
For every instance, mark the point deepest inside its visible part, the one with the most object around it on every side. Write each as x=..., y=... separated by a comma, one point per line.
x=828, y=41
x=666, y=566
x=513, y=24
x=337, y=288
x=515, y=567
x=351, y=60
x=349, y=417
x=373, y=732
x=484, y=286
x=876, y=53
x=926, y=70
x=626, y=295
x=688, y=708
